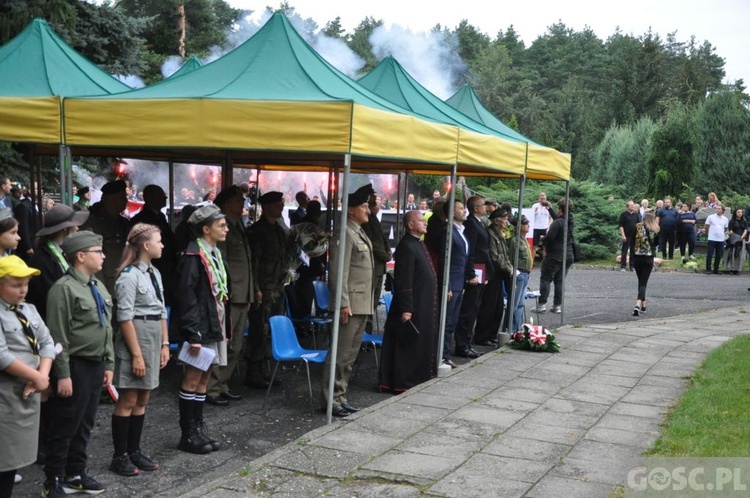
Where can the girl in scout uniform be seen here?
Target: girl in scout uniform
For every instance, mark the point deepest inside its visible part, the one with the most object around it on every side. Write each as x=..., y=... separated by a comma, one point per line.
x=141, y=346
x=200, y=318
x=26, y=354
x=8, y=232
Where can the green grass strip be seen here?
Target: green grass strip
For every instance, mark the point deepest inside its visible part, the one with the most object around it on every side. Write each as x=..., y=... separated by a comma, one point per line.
x=712, y=419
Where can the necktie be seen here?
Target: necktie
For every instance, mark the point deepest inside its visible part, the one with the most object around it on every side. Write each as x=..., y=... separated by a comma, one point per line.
x=101, y=308
x=26, y=328
x=155, y=283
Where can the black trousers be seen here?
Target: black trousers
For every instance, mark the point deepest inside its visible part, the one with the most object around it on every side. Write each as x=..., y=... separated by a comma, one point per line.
x=71, y=419
x=468, y=316
x=643, y=266
x=490, y=311
x=552, y=271
x=667, y=236
x=687, y=239
x=7, y=481
x=628, y=247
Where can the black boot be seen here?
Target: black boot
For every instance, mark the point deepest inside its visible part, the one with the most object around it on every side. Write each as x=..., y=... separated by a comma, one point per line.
x=191, y=440
x=200, y=425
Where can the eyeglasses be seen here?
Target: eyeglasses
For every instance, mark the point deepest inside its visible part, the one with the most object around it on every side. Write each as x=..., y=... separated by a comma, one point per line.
x=98, y=251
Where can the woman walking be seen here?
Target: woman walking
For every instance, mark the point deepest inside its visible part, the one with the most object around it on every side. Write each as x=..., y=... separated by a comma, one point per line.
x=141, y=347
x=646, y=244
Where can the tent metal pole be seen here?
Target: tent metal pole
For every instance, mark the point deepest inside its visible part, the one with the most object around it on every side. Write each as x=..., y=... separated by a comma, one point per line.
x=446, y=263
x=170, y=172
x=565, y=249
x=227, y=171
x=69, y=178
x=339, y=281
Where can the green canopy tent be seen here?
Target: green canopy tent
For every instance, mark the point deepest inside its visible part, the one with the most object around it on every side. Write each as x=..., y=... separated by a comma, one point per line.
x=38, y=69
x=190, y=65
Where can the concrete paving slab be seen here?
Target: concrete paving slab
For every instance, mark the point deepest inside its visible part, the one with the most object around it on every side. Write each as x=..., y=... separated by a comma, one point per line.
x=611, y=472
x=460, y=484
x=593, y=393
x=428, y=443
x=357, y=441
x=589, y=449
x=406, y=410
x=653, y=395
x=562, y=487
x=638, y=410
x=629, y=423
x=527, y=449
x=320, y=461
x=514, y=469
x=399, y=428
x=547, y=433
x=643, y=440
x=500, y=418
x=363, y=488
x=507, y=404
x=409, y=464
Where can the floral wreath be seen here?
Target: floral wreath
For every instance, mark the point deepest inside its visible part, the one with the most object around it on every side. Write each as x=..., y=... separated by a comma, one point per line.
x=534, y=338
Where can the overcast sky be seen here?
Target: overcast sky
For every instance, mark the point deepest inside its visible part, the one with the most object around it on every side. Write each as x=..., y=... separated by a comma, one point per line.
x=724, y=23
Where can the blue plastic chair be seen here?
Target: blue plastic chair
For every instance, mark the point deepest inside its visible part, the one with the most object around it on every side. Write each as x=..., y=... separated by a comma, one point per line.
x=286, y=348
x=322, y=298
x=376, y=340
x=314, y=322
x=387, y=300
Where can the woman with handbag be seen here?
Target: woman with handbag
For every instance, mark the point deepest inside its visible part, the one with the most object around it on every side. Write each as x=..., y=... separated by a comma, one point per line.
x=734, y=255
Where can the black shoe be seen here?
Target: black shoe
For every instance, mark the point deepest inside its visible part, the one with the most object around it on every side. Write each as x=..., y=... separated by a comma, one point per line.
x=351, y=408
x=636, y=311
x=643, y=309
x=229, y=396
x=468, y=353
x=491, y=343
x=143, y=462
x=122, y=465
x=340, y=411
x=217, y=401
x=192, y=442
x=82, y=484
x=256, y=383
x=202, y=429
x=53, y=488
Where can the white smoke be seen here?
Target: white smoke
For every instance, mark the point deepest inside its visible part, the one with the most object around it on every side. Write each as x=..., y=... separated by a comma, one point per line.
x=171, y=65
x=430, y=58
x=132, y=81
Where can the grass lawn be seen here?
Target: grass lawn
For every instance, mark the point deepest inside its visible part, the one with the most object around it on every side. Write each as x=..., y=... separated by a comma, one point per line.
x=712, y=419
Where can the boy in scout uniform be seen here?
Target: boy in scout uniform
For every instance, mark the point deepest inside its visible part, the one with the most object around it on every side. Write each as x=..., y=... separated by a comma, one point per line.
x=356, y=298
x=79, y=314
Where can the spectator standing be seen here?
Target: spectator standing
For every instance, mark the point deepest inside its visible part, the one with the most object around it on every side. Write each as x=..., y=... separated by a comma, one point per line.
x=410, y=204
x=26, y=354
x=6, y=199
x=525, y=264
x=712, y=201
x=698, y=204
x=381, y=253
x=410, y=357
x=236, y=248
x=553, y=265
x=356, y=299
x=28, y=224
x=643, y=262
x=141, y=346
x=667, y=219
x=542, y=217
x=9, y=237
x=644, y=208
x=687, y=220
x=200, y=319
x=302, y=199
x=459, y=274
x=717, y=226
x=628, y=220
x=478, y=261
x=491, y=310
x=84, y=197
x=79, y=316
x=734, y=258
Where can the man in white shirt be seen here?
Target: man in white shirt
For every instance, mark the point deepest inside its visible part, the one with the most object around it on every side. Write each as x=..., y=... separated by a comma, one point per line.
x=717, y=225
x=542, y=217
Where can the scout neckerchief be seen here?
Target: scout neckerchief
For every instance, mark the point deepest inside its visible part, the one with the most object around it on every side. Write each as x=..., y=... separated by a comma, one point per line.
x=16, y=308
x=58, y=255
x=217, y=265
x=154, y=282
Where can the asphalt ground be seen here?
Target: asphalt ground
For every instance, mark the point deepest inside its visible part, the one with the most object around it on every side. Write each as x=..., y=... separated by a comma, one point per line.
x=248, y=430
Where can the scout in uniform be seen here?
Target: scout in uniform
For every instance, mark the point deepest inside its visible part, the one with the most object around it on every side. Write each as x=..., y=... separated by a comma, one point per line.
x=141, y=346
x=268, y=240
x=237, y=250
x=9, y=237
x=356, y=298
x=26, y=354
x=79, y=311
x=200, y=318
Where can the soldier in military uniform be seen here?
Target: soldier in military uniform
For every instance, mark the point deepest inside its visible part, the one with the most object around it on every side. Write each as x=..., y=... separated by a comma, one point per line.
x=238, y=259
x=79, y=313
x=105, y=220
x=268, y=240
x=356, y=298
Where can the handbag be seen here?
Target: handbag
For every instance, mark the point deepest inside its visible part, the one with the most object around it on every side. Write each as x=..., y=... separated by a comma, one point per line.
x=576, y=252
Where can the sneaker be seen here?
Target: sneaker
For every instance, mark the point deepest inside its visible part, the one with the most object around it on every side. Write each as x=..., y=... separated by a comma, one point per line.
x=540, y=308
x=143, y=462
x=684, y=260
x=692, y=258
x=122, y=465
x=643, y=309
x=636, y=311
x=82, y=484
x=623, y=269
x=17, y=479
x=53, y=488
x=556, y=309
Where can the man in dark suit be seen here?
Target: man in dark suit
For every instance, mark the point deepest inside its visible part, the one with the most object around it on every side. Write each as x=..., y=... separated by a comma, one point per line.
x=478, y=261
x=155, y=199
x=298, y=215
x=28, y=224
x=381, y=253
x=458, y=273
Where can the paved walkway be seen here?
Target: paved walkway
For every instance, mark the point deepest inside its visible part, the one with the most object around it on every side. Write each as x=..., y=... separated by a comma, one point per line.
x=511, y=423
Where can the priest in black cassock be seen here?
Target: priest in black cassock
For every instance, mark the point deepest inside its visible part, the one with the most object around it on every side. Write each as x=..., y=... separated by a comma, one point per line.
x=409, y=355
